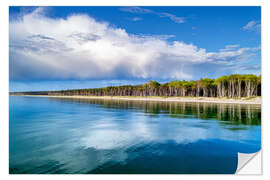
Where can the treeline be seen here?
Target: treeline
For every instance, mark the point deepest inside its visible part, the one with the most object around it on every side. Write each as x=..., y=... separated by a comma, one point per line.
x=232, y=86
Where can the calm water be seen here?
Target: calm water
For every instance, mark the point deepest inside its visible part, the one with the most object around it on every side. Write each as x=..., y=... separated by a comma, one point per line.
x=101, y=136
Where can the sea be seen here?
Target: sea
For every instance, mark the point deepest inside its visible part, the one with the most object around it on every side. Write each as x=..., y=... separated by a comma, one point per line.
x=87, y=136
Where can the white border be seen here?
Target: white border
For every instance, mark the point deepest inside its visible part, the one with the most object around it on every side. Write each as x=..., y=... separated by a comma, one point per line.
x=4, y=77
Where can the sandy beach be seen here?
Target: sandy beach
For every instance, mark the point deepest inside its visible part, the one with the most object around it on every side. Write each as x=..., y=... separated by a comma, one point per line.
x=252, y=100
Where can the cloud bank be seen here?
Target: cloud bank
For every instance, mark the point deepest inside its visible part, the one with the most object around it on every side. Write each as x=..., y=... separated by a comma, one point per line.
x=79, y=47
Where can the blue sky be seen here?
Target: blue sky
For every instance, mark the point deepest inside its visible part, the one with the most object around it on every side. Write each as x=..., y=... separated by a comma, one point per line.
x=79, y=47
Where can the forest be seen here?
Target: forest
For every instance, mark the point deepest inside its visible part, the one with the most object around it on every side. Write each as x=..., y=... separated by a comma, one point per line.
x=232, y=86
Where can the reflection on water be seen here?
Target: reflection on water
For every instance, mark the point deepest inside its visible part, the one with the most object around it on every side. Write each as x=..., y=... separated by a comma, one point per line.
x=235, y=113
x=49, y=135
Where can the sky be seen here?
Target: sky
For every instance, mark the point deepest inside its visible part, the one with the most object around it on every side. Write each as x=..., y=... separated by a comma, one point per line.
x=53, y=48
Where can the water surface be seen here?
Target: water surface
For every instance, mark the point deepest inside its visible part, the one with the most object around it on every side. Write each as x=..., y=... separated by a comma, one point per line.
x=49, y=135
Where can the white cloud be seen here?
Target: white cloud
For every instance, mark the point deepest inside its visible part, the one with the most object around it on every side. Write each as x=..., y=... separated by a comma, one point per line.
x=252, y=26
x=139, y=10
x=172, y=17
x=230, y=47
x=136, y=19
x=79, y=47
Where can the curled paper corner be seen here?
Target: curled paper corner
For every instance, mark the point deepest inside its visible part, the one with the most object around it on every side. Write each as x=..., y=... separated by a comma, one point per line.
x=249, y=163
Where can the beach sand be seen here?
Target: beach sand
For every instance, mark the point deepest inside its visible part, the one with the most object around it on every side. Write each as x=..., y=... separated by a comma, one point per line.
x=244, y=100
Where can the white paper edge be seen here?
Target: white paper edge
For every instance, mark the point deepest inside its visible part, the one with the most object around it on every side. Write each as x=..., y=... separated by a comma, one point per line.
x=249, y=164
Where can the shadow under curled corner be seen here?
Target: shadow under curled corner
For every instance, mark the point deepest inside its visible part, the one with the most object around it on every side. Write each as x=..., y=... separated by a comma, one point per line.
x=249, y=163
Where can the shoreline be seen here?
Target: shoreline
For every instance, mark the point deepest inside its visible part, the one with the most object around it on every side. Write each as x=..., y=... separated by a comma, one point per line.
x=254, y=100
